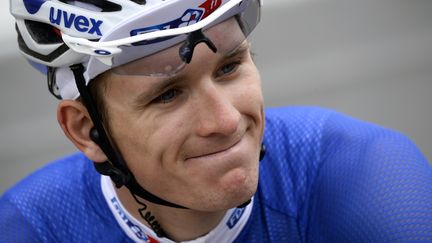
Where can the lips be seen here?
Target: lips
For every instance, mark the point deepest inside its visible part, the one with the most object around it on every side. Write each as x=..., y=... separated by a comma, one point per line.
x=215, y=149
x=214, y=152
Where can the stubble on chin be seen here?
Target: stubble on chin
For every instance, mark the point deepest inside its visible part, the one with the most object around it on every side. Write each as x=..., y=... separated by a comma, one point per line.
x=237, y=187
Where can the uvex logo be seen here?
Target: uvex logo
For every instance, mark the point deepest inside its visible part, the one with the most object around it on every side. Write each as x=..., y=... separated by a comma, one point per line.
x=79, y=22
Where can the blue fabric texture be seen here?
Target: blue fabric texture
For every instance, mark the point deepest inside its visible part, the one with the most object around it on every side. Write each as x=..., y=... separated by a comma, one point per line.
x=326, y=177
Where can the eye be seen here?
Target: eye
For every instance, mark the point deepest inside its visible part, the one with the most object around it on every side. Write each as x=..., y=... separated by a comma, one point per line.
x=228, y=68
x=167, y=96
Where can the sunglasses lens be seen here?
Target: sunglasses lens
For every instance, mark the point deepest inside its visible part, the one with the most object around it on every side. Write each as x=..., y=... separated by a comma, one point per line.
x=163, y=63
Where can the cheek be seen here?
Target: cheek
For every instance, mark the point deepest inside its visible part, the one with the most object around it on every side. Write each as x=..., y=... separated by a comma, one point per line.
x=256, y=90
x=129, y=139
x=248, y=96
x=150, y=145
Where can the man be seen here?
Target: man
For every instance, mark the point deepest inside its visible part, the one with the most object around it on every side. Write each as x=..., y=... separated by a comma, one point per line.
x=163, y=99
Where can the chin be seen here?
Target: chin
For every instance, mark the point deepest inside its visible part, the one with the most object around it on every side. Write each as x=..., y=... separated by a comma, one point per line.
x=224, y=203
x=242, y=197
x=235, y=191
x=240, y=186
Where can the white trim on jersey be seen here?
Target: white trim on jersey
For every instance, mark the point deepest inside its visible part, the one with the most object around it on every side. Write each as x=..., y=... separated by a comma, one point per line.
x=227, y=230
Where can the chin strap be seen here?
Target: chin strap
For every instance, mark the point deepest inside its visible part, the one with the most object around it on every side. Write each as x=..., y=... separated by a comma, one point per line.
x=115, y=167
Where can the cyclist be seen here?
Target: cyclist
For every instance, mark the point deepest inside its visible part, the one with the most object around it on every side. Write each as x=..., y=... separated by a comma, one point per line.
x=163, y=100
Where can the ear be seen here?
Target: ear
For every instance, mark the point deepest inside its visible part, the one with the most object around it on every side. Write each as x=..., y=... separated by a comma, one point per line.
x=76, y=124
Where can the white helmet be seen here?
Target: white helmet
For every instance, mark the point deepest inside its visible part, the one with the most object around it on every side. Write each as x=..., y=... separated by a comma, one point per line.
x=103, y=34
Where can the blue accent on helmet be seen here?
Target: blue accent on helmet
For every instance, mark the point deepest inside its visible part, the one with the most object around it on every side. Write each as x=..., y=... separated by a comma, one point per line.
x=103, y=52
x=189, y=17
x=33, y=6
x=40, y=67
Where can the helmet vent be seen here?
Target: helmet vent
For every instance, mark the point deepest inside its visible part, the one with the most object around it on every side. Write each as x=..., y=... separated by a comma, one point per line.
x=95, y=5
x=140, y=2
x=42, y=33
x=45, y=58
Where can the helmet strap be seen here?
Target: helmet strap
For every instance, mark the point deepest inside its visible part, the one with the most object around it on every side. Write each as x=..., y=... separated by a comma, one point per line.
x=51, y=82
x=115, y=167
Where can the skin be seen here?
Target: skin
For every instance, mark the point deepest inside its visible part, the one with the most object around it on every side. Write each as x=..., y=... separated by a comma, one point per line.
x=195, y=141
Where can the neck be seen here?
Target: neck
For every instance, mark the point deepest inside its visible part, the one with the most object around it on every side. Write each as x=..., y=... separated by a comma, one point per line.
x=178, y=224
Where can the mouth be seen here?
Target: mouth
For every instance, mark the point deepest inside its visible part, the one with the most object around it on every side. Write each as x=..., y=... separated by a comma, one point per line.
x=217, y=151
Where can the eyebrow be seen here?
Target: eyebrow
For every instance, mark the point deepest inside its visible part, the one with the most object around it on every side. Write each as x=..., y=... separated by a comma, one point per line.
x=241, y=49
x=159, y=86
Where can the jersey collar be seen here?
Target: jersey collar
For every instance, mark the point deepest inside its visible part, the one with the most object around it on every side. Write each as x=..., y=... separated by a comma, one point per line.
x=227, y=230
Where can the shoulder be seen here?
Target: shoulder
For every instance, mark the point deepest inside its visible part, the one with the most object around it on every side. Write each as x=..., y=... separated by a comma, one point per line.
x=345, y=179
x=65, y=190
x=293, y=140
x=52, y=178
x=371, y=177
x=296, y=130
x=329, y=133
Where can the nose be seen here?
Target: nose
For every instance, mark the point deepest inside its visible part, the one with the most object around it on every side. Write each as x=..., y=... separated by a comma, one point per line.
x=217, y=114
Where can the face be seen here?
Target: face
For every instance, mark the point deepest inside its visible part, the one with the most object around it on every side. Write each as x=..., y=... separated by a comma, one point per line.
x=193, y=138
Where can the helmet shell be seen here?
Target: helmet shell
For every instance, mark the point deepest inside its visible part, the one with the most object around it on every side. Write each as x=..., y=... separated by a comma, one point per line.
x=41, y=23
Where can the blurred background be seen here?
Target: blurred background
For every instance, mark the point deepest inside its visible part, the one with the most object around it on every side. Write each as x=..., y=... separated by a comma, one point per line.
x=371, y=59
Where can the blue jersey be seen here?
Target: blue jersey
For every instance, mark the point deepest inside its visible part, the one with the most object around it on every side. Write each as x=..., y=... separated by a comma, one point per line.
x=325, y=178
